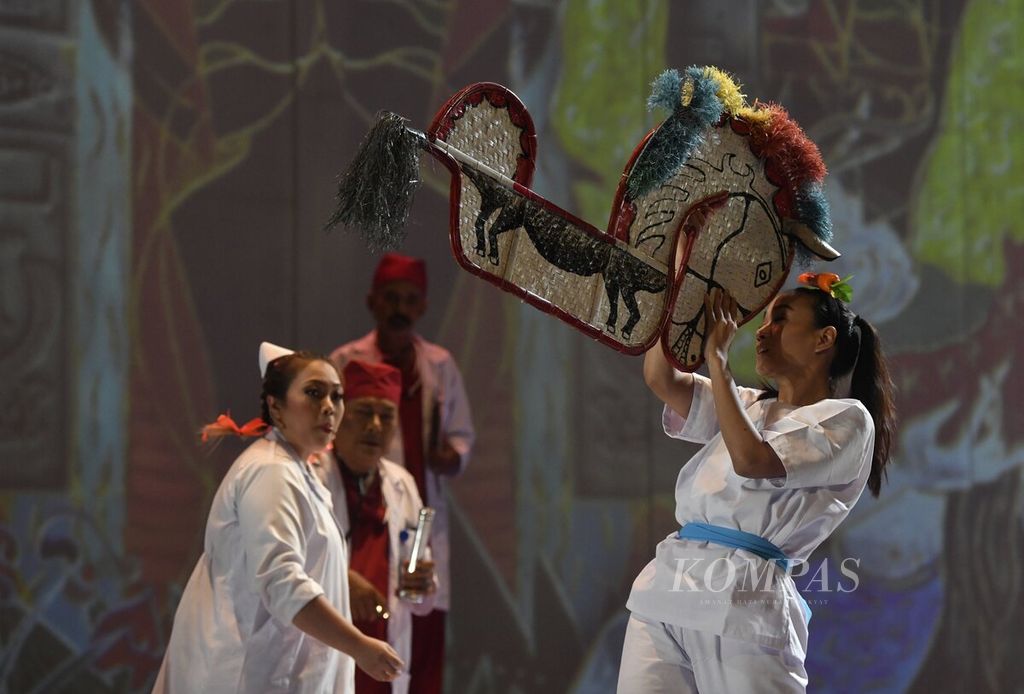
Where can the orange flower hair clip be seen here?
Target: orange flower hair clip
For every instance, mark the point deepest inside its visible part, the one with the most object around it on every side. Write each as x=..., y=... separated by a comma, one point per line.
x=829, y=283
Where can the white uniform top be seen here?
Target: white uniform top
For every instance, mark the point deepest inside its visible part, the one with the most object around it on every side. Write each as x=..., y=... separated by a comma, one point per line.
x=402, y=509
x=441, y=388
x=826, y=449
x=272, y=544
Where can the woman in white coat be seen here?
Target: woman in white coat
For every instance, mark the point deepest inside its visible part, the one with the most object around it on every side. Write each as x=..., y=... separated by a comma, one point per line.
x=717, y=609
x=266, y=608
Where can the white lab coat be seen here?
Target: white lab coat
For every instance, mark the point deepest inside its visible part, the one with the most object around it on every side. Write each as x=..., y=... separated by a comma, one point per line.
x=442, y=385
x=826, y=449
x=272, y=545
x=402, y=508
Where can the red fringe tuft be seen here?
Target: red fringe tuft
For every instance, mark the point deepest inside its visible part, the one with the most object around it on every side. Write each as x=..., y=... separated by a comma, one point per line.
x=791, y=158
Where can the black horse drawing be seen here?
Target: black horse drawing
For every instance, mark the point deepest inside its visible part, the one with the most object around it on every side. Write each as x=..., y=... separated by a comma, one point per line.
x=565, y=246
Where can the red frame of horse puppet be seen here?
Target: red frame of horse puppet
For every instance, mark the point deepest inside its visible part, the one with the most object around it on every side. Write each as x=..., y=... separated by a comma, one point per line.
x=620, y=218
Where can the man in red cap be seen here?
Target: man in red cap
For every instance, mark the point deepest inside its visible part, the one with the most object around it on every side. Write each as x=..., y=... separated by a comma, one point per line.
x=377, y=507
x=436, y=429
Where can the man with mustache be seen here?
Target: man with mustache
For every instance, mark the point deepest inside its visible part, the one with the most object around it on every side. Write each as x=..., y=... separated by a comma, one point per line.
x=377, y=507
x=436, y=429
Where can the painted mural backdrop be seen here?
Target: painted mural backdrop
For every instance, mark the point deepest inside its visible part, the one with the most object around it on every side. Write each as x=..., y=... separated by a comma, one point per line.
x=166, y=166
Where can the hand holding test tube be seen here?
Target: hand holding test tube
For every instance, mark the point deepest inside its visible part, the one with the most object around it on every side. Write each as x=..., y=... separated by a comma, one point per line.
x=416, y=572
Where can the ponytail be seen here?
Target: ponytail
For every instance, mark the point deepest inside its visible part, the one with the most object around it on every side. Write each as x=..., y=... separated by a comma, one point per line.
x=858, y=350
x=873, y=386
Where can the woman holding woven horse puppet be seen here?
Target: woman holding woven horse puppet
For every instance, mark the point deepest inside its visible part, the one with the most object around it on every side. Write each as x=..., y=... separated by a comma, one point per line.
x=717, y=609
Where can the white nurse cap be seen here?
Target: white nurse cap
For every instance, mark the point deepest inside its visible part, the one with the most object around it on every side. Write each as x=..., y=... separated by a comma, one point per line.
x=268, y=353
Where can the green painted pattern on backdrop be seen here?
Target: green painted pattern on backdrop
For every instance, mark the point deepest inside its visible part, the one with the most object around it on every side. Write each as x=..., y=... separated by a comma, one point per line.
x=612, y=49
x=971, y=197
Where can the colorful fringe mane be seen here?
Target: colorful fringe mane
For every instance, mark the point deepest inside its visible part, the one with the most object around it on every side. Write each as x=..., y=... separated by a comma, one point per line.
x=698, y=100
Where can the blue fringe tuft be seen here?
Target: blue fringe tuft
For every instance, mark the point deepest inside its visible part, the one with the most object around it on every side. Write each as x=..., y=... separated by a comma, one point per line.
x=812, y=209
x=680, y=134
x=665, y=91
x=705, y=103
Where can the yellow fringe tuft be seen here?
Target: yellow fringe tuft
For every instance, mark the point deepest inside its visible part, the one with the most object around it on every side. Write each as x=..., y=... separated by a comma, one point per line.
x=686, y=93
x=728, y=91
x=754, y=116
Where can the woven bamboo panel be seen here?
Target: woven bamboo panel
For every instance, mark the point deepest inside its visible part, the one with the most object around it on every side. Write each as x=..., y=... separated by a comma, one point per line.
x=620, y=288
x=486, y=134
x=540, y=251
x=742, y=247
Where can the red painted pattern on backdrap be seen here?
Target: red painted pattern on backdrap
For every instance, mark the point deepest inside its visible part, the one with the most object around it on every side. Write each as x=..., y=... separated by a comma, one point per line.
x=471, y=22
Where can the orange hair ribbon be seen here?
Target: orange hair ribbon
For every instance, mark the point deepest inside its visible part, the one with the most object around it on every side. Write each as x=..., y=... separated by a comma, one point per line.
x=224, y=425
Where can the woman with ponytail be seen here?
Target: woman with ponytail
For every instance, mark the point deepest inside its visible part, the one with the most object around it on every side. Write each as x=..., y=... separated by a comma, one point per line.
x=267, y=608
x=717, y=609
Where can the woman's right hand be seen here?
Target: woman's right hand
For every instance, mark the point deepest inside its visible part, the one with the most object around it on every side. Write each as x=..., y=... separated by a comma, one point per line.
x=378, y=660
x=721, y=320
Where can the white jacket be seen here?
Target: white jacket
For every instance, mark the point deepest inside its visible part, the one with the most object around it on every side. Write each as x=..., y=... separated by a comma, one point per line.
x=825, y=449
x=272, y=544
x=402, y=508
x=441, y=385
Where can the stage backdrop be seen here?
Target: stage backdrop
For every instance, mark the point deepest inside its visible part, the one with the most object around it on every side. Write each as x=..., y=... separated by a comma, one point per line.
x=165, y=170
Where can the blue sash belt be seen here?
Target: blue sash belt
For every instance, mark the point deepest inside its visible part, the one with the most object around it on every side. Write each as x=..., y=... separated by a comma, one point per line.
x=737, y=539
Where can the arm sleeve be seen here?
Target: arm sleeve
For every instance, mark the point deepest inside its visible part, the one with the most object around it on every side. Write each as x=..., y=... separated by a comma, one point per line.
x=273, y=515
x=701, y=424
x=822, y=445
x=458, y=421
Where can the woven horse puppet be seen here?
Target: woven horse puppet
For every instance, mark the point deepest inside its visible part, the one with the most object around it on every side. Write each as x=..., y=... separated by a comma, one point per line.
x=726, y=192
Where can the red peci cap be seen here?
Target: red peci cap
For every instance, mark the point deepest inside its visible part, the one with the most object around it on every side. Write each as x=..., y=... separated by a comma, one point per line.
x=365, y=379
x=395, y=267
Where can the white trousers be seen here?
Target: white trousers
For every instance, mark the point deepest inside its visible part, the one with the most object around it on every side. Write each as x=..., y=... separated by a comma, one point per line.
x=658, y=657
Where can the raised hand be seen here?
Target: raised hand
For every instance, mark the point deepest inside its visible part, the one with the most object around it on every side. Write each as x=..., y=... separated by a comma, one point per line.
x=721, y=316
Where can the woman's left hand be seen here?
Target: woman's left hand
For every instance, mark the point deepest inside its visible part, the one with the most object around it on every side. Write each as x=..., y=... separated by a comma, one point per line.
x=721, y=316
x=378, y=659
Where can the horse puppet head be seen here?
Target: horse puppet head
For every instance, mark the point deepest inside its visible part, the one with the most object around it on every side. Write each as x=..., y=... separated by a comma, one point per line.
x=733, y=190
x=721, y=194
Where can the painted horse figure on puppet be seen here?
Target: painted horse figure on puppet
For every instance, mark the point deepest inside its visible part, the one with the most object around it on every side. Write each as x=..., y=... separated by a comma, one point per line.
x=721, y=194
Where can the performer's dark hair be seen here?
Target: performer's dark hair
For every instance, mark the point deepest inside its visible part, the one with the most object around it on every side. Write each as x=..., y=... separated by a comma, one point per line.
x=280, y=374
x=858, y=347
